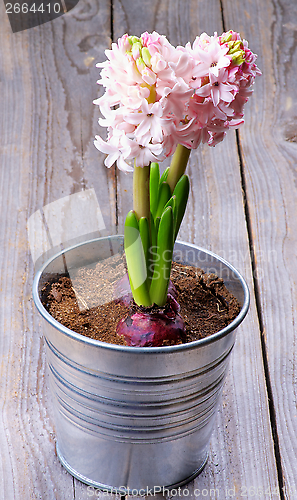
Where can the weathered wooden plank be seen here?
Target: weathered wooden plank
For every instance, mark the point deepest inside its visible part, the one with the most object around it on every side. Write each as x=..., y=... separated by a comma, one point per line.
x=26, y=434
x=50, y=70
x=269, y=156
x=243, y=422
x=47, y=124
x=215, y=219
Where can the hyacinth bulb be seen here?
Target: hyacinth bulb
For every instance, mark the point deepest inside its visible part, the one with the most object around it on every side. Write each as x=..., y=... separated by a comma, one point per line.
x=153, y=327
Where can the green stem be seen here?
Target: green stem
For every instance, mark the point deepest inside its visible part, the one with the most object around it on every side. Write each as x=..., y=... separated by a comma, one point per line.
x=138, y=236
x=141, y=192
x=178, y=165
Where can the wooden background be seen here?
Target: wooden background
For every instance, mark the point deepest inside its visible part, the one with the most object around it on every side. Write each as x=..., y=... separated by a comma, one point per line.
x=242, y=206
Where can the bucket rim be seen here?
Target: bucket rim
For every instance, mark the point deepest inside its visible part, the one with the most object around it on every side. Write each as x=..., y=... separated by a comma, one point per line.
x=149, y=350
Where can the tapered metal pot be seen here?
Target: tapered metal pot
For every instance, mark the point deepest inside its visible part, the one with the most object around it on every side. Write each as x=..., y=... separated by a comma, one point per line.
x=131, y=418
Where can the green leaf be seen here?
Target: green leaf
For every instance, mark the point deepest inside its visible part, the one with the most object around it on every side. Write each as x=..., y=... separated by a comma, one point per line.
x=164, y=175
x=136, y=261
x=164, y=196
x=163, y=260
x=153, y=231
x=181, y=192
x=144, y=230
x=173, y=204
x=154, y=187
x=157, y=222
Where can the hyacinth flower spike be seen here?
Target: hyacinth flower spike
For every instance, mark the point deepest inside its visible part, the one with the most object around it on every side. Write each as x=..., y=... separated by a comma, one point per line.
x=159, y=101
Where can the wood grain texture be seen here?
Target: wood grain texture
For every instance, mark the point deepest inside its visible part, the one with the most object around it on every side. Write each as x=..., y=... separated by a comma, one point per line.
x=27, y=444
x=270, y=157
x=242, y=454
x=47, y=125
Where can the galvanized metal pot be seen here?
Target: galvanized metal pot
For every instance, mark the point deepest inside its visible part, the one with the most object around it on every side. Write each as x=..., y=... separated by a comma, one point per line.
x=131, y=418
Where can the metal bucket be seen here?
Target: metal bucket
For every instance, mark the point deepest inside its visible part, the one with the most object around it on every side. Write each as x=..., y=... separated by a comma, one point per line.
x=131, y=418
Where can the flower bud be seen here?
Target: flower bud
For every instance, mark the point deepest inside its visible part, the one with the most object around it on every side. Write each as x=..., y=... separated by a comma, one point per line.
x=140, y=64
x=125, y=43
x=133, y=39
x=146, y=56
x=238, y=57
x=133, y=70
x=158, y=63
x=236, y=52
x=148, y=76
x=235, y=46
x=136, y=50
x=226, y=38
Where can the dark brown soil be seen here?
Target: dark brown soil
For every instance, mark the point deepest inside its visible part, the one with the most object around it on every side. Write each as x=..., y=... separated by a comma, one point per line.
x=206, y=304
